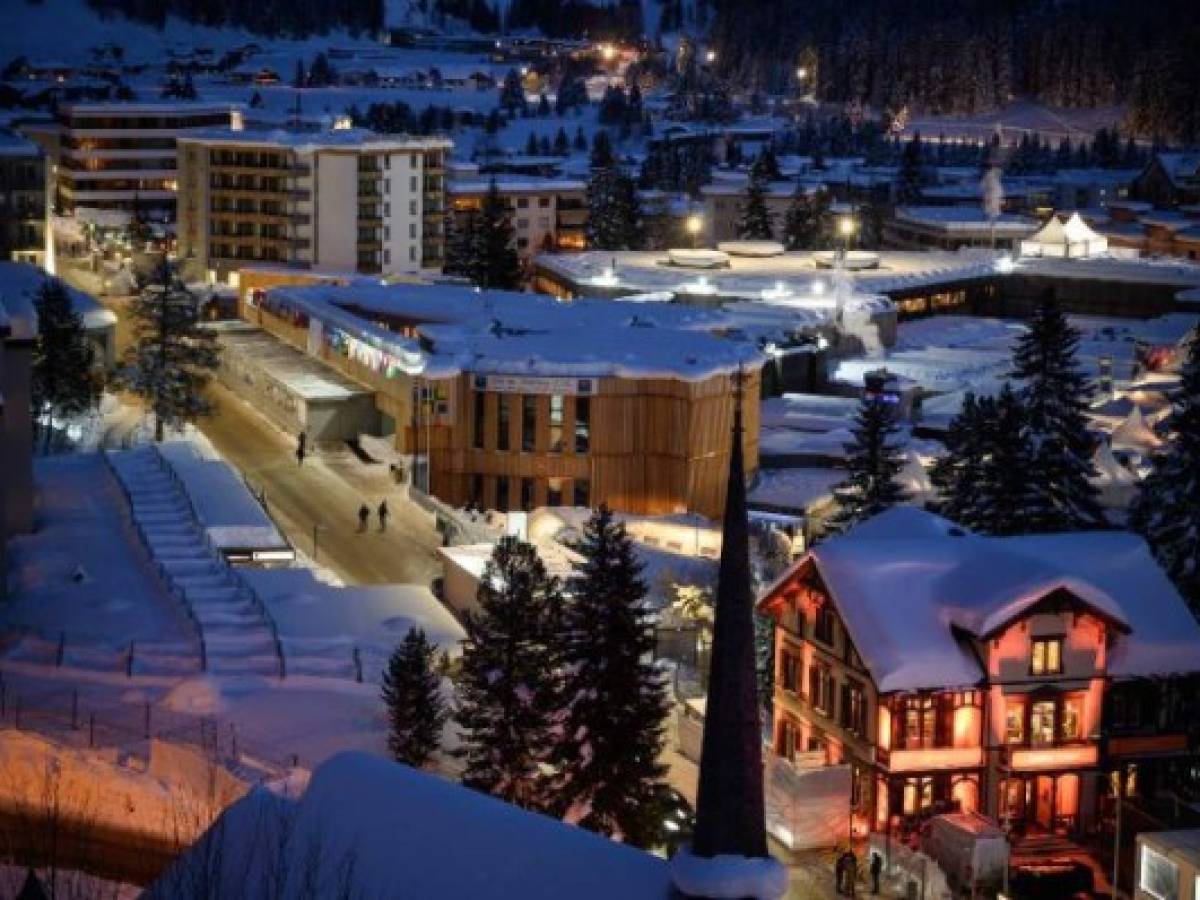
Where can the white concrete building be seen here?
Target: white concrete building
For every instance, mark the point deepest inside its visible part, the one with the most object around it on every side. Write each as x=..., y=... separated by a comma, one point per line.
x=346, y=200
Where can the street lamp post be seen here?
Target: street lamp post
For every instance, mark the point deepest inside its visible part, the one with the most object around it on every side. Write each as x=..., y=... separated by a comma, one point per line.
x=846, y=227
x=694, y=225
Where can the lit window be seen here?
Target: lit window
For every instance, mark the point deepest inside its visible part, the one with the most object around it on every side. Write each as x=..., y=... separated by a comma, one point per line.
x=1159, y=876
x=1041, y=723
x=556, y=423
x=1014, y=722
x=1071, y=726
x=1046, y=657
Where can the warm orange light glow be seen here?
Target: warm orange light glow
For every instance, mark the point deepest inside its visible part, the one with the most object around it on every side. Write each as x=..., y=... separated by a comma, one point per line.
x=966, y=793
x=885, y=728
x=1067, y=802
x=1054, y=758
x=967, y=723
x=941, y=758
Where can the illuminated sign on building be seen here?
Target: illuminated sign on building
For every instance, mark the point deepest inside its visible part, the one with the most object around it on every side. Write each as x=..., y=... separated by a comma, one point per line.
x=1054, y=758
x=517, y=384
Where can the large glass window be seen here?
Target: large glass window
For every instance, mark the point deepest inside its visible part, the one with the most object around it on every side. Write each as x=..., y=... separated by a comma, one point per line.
x=1041, y=723
x=528, y=423
x=1014, y=721
x=1046, y=657
x=820, y=689
x=502, y=425
x=1071, y=726
x=920, y=723
x=1159, y=877
x=556, y=423
x=583, y=424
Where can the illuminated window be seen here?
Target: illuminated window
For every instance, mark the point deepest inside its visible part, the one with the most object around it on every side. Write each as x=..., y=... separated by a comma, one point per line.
x=1046, y=658
x=556, y=423
x=820, y=689
x=1071, y=727
x=920, y=721
x=583, y=425
x=1041, y=723
x=1014, y=722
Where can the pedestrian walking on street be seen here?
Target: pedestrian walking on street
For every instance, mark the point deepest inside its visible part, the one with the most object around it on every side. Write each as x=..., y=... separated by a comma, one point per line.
x=363, y=515
x=876, y=871
x=301, y=448
x=852, y=875
x=839, y=874
x=383, y=515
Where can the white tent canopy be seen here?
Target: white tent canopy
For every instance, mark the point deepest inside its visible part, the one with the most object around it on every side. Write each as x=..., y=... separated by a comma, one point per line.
x=1073, y=239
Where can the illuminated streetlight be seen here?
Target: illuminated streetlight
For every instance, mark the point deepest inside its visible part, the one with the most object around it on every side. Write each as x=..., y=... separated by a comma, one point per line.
x=608, y=51
x=847, y=226
x=694, y=225
x=711, y=56
x=801, y=73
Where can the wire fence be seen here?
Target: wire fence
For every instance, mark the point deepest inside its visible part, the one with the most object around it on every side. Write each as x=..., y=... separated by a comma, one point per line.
x=88, y=716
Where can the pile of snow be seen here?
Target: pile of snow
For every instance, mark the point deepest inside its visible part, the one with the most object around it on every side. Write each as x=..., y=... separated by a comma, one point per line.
x=728, y=877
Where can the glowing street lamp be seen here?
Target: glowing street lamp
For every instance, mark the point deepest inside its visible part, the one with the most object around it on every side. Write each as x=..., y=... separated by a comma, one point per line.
x=710, y=57
x=846, y=228
x=801, y=73
x=694, y=225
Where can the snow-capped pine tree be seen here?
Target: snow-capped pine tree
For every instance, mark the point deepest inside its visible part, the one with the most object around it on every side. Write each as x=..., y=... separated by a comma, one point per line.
x=460, y=242
x=756, y=223
x=411, y=690
x=806, y=225
x=1055, y=393
x=873, y=462
x=492, y=260
x=956, y=471
x=614, y=214
x=512, y=93
x=172, y=357
x=1167, y=511
x=62, y=380
x=508, y=692
x=608, y=777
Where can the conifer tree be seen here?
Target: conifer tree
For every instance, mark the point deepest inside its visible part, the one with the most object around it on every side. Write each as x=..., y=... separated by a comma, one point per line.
x=411, y=691
x=1167, y=511
x=1055, y=392
x=172, y=356
x=562, y=146
x=507, y=691
x=608, y=777
x=957, y=471
x=614, y=213
x=908, y=188
x=756, y=223
x=873, y=461
x=1003, y=494
x=806, y=224
x=63, y=382
x=602, y=154
x=512, y=93
x=492, y=261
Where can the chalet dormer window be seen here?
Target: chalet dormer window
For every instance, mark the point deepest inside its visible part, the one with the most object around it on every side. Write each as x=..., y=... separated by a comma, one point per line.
x=823, y=626
x=1045, y=656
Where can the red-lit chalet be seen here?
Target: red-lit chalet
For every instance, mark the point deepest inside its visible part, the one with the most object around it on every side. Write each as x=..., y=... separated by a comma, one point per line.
x=1002, y=675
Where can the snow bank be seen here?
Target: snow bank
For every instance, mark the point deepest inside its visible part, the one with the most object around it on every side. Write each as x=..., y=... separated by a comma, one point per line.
x=728, y=877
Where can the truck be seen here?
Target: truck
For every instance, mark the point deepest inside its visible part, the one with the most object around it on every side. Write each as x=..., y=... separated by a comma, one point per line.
x=970, y=849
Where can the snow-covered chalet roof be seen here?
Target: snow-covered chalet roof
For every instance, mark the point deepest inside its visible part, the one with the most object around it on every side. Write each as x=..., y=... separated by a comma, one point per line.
x=905, y=581
x=370, y=827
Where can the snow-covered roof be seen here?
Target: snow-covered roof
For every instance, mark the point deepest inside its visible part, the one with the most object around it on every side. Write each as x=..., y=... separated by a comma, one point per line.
x=513, y=184
x=964, y=218
x=370, y=827
x=905, y=580
x=19, y=285
x=507, y=333
x=560, y=561
x=307, y=141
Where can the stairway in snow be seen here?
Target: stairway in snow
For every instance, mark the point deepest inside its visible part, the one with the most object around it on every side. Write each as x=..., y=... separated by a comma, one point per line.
x=236, y=634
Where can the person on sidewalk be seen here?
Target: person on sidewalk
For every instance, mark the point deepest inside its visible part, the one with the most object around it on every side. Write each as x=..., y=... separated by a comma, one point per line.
x=301, y=448
x=876, y=871
x=383, y=515
x=363, y=515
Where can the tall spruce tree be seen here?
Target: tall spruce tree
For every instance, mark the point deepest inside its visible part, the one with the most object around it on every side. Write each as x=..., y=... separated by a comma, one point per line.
x=493, y=261
x=756, y=223
x=172, y=356
x=1003, y=494
x=608, y=777
x=63, y=381
x=411, y=691
x=957, y=471
x=508, y=692
x=873, y=461
x=614, y=214
x=806, y=224
x=1055, y=392
x=1167, y=511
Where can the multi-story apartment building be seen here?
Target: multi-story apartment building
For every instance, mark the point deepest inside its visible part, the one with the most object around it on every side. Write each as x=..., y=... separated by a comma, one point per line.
x=22, y=199
x=547, y=213
x=122, y=155
x=1009, y=676
x=345, y=200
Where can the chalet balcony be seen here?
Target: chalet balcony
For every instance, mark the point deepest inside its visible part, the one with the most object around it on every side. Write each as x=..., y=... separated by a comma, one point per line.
x=932, y=759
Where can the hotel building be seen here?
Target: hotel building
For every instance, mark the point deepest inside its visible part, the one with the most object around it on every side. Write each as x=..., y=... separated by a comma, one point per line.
x=1009, y=676
x=337, y=201
x=547, y=214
